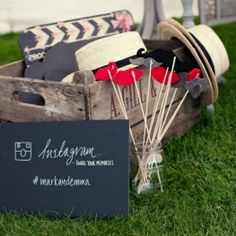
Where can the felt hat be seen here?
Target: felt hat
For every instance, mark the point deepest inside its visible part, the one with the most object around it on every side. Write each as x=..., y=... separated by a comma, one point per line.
x=114, y=48
x=205, y=46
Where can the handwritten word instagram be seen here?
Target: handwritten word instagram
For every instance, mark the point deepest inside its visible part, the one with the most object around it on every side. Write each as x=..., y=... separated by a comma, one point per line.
x=70, y=153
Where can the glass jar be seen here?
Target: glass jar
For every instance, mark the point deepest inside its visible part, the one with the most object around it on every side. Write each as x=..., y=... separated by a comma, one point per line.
x=150, y=175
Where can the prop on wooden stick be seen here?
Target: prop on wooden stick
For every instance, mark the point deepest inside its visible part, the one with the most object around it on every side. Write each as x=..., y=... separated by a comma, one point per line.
x=121, y=73
x=149, y=150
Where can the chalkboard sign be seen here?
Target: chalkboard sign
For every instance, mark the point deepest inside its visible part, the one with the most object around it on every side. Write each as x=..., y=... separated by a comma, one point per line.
x=214, y=12
x=75, y=168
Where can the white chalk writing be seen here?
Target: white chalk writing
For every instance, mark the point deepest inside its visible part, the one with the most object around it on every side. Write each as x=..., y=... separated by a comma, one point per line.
x=60, y=182
x=70, y=153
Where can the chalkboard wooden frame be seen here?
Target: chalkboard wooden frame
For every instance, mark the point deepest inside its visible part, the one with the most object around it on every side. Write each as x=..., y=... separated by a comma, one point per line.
x=65, y=168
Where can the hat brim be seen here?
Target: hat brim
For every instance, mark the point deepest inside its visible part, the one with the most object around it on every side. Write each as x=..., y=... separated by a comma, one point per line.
x=204, y=60
x=167, y=31
x=110, y=49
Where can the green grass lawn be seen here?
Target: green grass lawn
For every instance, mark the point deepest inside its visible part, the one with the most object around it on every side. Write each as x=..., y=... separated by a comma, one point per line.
x=200, y=188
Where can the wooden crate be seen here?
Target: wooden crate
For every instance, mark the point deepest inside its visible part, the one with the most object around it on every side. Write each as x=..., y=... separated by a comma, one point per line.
x=86, y=99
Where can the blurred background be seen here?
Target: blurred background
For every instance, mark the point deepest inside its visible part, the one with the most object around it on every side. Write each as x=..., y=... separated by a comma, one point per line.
x=16, y=15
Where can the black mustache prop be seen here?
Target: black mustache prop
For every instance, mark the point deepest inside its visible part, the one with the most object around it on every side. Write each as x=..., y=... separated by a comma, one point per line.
x=161, y=57
x=196, y=87
x=145, y=61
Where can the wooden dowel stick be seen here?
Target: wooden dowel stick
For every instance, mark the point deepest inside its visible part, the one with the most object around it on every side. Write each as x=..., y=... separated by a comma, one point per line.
x=131, y=133
x=173, y=96
x=168, y=110
x=125, y=114
x=157, y=101
x=166, y=98
x=172, y=117
x=141, y=105
x=147, y=100
x=121, y=98
x=161, y=112
x=159, y=179
x=163, y=104
x=158, y=120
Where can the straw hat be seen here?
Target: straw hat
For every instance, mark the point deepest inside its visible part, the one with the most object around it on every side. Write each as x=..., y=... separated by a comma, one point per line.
x=114, y=48
x=205, y=46
x=110, y=49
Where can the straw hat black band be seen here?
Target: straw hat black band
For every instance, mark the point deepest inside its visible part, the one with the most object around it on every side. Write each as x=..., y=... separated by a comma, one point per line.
x=205, y=52
x=160, y=55
x=207, y=49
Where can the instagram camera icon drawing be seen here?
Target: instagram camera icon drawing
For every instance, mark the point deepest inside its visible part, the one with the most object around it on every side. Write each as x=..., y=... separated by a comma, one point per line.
x=23, y=151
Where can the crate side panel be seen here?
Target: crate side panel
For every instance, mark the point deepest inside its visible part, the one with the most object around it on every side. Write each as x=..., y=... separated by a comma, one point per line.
x=15, y=69
x=62, y=101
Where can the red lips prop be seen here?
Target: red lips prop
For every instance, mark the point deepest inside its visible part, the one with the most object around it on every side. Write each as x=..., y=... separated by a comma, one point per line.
x=122, y=77
x=158, y=74
x=125, y=77
x=103, y=73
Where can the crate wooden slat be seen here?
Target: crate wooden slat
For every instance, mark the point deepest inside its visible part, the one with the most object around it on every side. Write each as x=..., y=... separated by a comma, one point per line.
x=86, y=98
x=60, y=99
x=62, y=102
x=103, y=104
